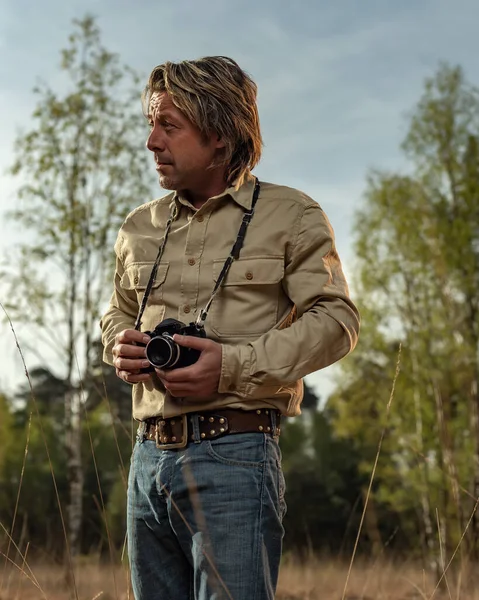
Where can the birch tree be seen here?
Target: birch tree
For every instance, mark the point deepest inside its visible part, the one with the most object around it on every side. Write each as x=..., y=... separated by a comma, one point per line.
x=82, y=166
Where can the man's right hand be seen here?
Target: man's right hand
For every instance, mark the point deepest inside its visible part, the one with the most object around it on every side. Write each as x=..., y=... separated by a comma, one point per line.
x=129, y=358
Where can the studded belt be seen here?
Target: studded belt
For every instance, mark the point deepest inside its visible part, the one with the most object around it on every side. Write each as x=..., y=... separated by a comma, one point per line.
x=176, y=432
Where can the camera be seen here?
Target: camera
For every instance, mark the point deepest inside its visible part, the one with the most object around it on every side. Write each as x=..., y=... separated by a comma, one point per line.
x=163, y=352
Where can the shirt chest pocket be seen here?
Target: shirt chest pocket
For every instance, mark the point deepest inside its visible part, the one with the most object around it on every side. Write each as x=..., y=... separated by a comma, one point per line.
x=247, y=302
x=135, y=278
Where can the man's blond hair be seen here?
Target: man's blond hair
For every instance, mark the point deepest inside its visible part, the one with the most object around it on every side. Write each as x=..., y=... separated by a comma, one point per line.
x=216, y=95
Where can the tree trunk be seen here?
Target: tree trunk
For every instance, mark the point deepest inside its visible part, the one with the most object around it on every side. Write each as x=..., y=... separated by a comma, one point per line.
x=431, y=555
x=75, y=475
x=73, y=397
x=450, y=469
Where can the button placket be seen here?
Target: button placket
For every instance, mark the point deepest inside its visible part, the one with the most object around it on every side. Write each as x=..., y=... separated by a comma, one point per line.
x=190, y=276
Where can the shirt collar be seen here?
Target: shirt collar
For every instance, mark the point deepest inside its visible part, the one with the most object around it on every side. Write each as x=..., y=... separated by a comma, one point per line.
x=243, y=195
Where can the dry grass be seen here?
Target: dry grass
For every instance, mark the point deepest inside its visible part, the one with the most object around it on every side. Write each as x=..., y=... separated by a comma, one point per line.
x=93, y=582
x=325, y=580
x=311, y=580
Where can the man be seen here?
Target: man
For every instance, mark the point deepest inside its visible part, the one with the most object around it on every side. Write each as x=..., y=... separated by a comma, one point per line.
x=206, y=491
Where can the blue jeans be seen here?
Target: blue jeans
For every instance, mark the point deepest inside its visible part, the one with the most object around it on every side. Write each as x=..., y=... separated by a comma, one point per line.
x=205, y=522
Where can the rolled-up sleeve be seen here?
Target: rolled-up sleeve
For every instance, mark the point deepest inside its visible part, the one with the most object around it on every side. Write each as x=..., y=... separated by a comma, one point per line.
x=327, y=327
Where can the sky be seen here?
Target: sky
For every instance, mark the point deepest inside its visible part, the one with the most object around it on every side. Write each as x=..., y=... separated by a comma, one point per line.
x=336, y=80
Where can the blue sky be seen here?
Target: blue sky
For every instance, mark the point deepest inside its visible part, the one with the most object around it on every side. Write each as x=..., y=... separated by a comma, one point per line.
x=336, y=82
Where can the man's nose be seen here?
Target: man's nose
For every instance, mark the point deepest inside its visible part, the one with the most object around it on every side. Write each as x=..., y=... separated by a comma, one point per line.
x=155, y=140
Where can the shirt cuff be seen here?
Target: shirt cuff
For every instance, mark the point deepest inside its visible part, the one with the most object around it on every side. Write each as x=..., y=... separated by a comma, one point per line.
x=108, y=358
x=235, y=369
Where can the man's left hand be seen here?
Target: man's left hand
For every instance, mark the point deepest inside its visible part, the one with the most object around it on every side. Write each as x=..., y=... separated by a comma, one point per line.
x=200, y=379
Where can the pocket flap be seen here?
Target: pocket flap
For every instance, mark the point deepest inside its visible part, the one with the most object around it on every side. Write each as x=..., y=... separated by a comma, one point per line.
x=136, y=275
x=253, y=270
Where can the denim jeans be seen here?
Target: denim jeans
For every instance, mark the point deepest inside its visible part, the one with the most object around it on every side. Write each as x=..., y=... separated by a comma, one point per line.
x=205, y=522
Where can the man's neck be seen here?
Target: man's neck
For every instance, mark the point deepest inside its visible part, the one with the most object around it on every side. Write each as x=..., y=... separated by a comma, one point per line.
x=214, y=187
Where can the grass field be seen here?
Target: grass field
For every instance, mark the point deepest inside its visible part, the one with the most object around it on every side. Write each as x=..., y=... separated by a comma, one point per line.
x=312, y=580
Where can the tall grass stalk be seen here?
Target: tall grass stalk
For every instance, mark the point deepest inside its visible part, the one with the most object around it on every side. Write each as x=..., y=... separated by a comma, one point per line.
x=373, y=473
x=44, y=439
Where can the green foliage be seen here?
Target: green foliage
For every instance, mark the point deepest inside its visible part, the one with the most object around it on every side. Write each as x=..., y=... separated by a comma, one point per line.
x=26, y=476
x=323, y=484
x=29, y=442
x=417, y=248
x=107, y=446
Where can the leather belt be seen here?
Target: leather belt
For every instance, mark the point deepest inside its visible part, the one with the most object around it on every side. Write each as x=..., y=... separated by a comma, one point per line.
x=176, y=432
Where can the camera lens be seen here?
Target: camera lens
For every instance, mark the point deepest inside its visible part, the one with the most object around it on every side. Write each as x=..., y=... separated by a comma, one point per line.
x=162, y=352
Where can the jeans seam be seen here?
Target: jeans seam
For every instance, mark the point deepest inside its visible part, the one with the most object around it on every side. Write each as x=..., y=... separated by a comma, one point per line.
x=260, y=519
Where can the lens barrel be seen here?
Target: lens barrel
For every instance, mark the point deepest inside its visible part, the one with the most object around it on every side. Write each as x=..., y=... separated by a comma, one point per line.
x=162, y=351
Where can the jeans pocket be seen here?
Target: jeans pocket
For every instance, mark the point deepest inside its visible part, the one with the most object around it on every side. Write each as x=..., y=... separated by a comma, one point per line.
x=241, y=449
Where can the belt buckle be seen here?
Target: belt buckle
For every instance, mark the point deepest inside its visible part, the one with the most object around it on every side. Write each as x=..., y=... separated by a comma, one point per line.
x=172, y=445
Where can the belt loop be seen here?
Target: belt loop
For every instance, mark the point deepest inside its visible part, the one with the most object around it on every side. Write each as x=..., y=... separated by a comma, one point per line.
x=141, y=432
x=275, y=417
x=272, y=414
x=195, y=423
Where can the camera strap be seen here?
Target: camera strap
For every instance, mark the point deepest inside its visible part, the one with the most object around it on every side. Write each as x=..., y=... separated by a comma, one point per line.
x=154, y=270
x=234, y=254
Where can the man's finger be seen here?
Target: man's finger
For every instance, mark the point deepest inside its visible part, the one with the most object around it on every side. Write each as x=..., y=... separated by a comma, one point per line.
x=190, y=341
x=131, y=335
x=127, y=364
x=129, y=350
x=133, y=377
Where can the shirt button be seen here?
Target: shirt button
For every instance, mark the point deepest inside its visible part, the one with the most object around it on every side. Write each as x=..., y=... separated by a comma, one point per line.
x=200, y=218
x=186, y=308
x=191, y=261
x=136, y=280
x=249, y=275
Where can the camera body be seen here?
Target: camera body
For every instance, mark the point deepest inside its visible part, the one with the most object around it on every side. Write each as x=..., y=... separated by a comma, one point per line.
x=163, y=352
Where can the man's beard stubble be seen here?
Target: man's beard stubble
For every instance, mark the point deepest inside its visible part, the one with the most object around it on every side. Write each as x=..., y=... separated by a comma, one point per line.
x=166, y=182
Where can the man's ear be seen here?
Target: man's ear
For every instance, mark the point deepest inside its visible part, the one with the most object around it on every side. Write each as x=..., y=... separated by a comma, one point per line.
x=218, y=141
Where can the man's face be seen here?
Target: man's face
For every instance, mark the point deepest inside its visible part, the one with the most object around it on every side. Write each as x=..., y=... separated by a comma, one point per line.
x=182, y=156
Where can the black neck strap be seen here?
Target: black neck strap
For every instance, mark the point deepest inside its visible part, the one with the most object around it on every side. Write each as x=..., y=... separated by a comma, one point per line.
x=234, y=255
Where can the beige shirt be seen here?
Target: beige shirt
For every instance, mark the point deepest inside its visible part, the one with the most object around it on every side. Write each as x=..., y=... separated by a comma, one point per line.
x=283, y=311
